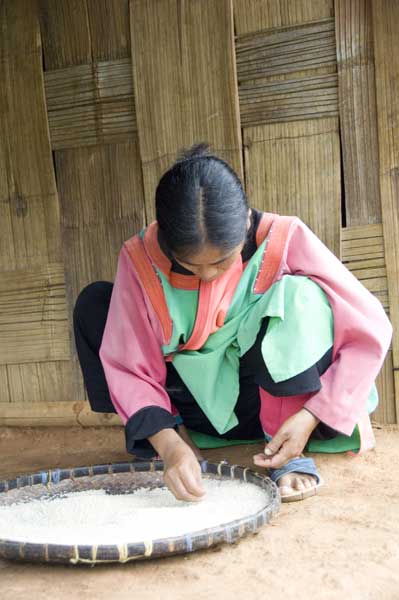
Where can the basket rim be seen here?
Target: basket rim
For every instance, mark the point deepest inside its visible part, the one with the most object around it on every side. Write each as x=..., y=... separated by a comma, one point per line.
x=92, y=554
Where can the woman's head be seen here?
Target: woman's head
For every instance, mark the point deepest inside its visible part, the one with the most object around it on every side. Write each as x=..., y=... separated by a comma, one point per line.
x=202, y=212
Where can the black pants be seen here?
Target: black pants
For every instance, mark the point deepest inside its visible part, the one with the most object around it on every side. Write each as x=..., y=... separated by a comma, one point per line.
x=89, y=318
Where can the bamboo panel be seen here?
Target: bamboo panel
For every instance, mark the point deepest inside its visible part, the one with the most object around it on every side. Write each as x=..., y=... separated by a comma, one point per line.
x=289, y=100
x=253, y=15
x=77, y=32
x=90, y=104
x=4, y=388
x=33, y=315
x=32, y=326
x=29, y=204
x=386, y=410
x=285, y=50
x=365, y=232
x=288, y=74
x=186, y=58
x=54, y=414
x=100, y=186
x=372, y=273
x=357, y=106
x=294, y=169
x=101, y=194
x=109, y=28
x=41, y=382
x=364, y=255
x=385, y=17
x=65, y=33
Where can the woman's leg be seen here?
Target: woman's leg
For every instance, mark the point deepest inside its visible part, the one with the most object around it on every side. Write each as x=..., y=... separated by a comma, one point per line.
x=89, y=318
x=288, y=395
x=304, y=383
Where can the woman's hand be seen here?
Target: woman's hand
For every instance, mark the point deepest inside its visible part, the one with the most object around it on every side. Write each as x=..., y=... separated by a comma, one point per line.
x=182, y=430
x=182, y=472
x=289, y=441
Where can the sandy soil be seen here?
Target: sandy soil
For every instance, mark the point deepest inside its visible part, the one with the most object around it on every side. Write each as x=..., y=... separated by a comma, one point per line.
x=343, y=542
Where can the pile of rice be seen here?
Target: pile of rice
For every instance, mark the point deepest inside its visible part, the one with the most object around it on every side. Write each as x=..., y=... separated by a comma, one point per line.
x=97, y=517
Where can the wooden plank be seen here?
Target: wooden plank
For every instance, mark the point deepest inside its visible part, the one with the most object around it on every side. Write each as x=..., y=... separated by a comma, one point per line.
x=101, y=194
x=363, y=254
x=371, y=272
x=386, y=411
x=367, y=263
x=42, y=382
x=253, y=15
x=285, y=50
x=287, y=74
x=290, y=167
x=31, y=225
x=54, y=414
x=365, y=273
x=288, y=100
x=33, y=315
x=362, y=231
x=357, y=109
x=65, y=32
x=109, y=29
x=385, y=16
x=91, y=104
x=372, y=244
x=4, y=387
x=184, y=52
x=30, y=246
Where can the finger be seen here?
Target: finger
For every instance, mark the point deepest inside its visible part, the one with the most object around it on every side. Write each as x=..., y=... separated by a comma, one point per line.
x=198, y=476
x=177, y=487
x=279, y=459
x=260, y=460
x=192, y=481
x=275, y=444
x=182, y=493
x=170, y=486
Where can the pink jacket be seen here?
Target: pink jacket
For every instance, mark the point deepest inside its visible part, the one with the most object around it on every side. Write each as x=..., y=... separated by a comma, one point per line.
x=135, y=369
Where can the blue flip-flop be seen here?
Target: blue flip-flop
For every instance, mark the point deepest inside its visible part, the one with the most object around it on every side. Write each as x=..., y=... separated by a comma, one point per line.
x=298, y=465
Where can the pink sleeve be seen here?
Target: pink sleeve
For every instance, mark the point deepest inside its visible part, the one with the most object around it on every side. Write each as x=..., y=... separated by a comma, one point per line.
x=130, y=350
x=362, y=330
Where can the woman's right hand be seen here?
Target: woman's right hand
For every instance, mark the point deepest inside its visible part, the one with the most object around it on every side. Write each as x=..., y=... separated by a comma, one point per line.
x=182, y=472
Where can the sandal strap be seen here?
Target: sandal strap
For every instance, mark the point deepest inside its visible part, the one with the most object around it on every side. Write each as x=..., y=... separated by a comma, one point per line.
x=298, y=465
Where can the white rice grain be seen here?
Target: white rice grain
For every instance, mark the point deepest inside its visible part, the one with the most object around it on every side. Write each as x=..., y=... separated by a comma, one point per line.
x=95, y=517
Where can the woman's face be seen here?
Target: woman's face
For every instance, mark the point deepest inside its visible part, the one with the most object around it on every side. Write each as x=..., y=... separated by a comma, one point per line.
x=210, y=262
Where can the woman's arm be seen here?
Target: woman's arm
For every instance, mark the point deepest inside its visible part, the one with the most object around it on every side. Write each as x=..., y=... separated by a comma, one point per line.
x=135, y=371
x=362, y=330
x=132, y=358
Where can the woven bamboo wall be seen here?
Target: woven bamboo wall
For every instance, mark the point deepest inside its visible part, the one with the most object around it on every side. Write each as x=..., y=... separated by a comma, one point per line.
x=97, y=97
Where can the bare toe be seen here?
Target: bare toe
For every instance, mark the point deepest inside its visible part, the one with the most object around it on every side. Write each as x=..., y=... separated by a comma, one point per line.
x=295, y=482
x=298, y=483
x=285, y=485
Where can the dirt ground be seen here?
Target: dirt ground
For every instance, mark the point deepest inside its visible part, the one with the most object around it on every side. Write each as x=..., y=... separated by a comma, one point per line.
x=342, y=543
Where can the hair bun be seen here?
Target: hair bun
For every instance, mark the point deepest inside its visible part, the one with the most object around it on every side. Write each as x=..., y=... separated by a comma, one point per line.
x=195, y=151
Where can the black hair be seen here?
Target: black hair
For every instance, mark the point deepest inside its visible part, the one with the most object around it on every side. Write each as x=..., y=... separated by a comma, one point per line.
x=200, y=200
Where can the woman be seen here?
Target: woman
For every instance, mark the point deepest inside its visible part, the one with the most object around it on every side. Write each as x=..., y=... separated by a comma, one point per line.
x=234, y=323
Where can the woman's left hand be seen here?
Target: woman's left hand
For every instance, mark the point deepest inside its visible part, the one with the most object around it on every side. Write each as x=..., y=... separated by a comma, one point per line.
x=289, y=441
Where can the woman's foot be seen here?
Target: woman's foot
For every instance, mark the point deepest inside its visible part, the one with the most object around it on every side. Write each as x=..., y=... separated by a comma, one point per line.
x=295, y=482
x=297, y=479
